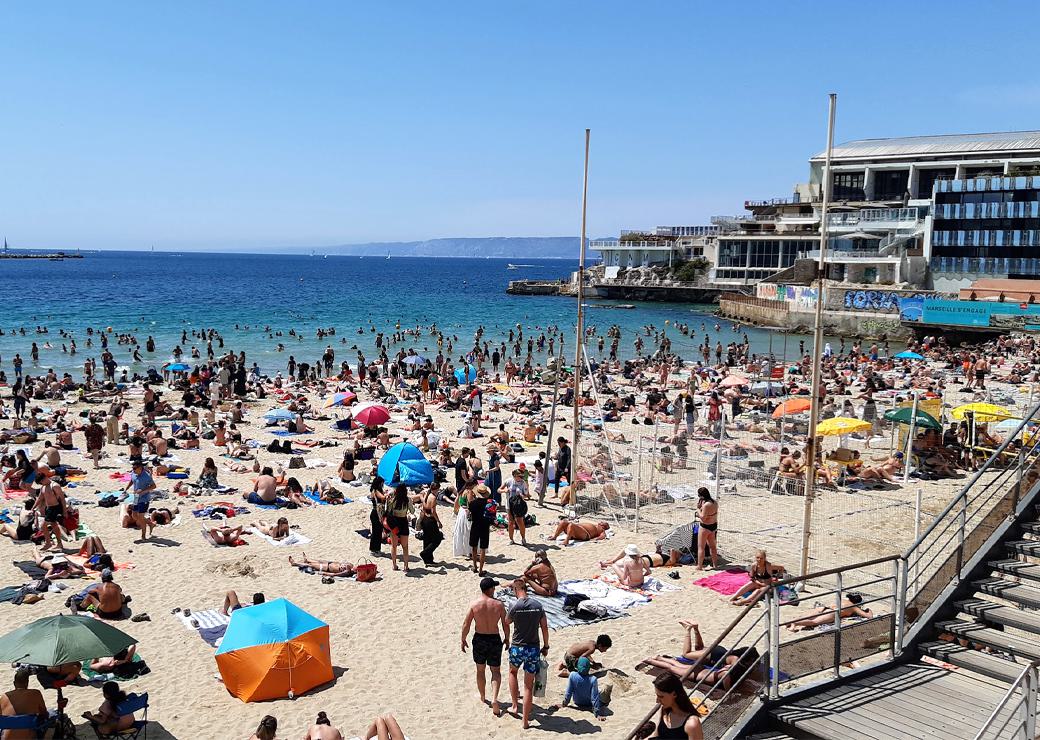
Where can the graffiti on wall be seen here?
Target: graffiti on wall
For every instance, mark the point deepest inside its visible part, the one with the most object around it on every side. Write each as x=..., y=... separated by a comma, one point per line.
x=877, y=300
x=802, y=296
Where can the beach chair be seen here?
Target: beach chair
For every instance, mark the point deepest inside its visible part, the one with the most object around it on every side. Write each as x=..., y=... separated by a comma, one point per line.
x=24, y=722
x=134, y=703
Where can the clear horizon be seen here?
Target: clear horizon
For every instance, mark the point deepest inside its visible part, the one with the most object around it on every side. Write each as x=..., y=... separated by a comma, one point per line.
x=202, y=127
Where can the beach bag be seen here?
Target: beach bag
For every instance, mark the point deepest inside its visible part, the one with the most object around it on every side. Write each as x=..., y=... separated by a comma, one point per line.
x=296, y=463
x=589, y=610
x=517, y=506
x=541, y=678
x=490, y=511
x=366, y=571
x=71, y=520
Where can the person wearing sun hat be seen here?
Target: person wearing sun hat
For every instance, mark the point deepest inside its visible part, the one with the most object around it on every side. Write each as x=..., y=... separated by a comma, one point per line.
x=632, y=570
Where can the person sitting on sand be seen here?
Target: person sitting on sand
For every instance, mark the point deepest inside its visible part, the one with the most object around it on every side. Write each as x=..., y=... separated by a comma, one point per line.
x=821, y=615
x=631, y=570
x=107, y=601
x=322, y=729
x=763, y=574
x=293, y=491
x=107, y=665
x=277, y=531
x=22, y=700
x=580, y=531
x=231, y=602
x=225, y=535
x=652, y=559
x=265, y=490
x=329, y=567
x=25, y=526
x=540, y=575
x=583, y=649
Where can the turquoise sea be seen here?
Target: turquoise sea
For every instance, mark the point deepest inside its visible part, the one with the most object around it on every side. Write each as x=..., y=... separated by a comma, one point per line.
x=161, y=294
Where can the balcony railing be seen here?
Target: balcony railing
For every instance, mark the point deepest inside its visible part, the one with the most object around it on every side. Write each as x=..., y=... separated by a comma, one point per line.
x=987, y=265
x=988, y=184
x=1026, y=209
x=618, y=244
x=906, y=216
x=772, y=202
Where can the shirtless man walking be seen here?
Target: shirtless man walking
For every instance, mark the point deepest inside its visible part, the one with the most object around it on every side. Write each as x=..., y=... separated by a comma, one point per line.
x=486, y=614
x=51, y=502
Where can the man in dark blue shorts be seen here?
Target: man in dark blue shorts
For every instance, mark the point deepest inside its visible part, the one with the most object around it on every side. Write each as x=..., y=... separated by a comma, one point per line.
x=486, y=614
x=144, y=485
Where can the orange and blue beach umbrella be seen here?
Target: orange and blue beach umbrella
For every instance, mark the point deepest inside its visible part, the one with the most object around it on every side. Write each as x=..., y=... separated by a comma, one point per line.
x=274, y=650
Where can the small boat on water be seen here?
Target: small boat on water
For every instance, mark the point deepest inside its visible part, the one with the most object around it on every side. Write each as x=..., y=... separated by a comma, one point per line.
x=388, y=255
x=511, y=266
x=609, y=305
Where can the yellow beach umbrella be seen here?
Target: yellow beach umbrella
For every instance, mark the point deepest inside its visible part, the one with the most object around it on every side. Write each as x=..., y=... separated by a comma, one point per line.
x=983, y=412
x=842, y=425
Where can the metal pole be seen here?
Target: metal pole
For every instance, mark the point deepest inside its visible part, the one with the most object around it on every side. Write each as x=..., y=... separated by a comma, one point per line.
x=718, y=453
x=814, y=409
x=1029, y=705
x=579, y=348
x=837, y=626
x=552, y=422
x=773, y=625
x=917, y=533
x=908, y=450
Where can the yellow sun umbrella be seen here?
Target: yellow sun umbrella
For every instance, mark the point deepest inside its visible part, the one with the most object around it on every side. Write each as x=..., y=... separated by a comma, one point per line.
x=983, y=412
x=842, y=425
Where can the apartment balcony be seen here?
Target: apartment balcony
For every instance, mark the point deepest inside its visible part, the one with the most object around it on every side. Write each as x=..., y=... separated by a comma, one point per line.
x=1026, y=209
x=853, y=256
x=643, y=246
x=880, y=219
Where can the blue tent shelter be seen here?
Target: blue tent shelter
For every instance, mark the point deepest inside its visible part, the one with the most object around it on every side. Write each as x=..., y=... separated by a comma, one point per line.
x=405, y=463
x=908, y=355
x=178, y=367
x=467, y=374
x=279, y=415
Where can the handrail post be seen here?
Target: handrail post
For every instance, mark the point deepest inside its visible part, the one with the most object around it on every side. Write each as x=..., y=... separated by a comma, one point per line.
x=773, y=627
x=837, y=626
x=1029, y=703
x=1018, y=486
x=899, y=589
x=962, y=525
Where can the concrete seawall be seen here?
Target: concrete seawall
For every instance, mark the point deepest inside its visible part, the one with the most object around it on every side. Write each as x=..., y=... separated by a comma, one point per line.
x=764, y=312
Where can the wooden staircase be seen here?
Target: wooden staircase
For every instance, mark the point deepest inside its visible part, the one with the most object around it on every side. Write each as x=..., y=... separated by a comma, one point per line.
x=949, y=682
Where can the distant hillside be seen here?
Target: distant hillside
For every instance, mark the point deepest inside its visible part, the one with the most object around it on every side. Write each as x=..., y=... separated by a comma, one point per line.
x=506, y=247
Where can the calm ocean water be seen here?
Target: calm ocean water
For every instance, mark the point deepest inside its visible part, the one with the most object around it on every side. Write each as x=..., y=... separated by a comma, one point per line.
x=162, y=294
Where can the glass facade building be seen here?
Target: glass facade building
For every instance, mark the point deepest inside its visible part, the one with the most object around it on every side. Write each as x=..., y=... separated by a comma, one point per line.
x=752, y=259
x=988, y=225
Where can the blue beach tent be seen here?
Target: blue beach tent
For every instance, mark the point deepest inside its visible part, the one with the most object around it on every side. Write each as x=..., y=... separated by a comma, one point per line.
x=405, y=463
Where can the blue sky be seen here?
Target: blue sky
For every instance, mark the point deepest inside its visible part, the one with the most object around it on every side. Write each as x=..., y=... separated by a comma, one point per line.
x=222, y=125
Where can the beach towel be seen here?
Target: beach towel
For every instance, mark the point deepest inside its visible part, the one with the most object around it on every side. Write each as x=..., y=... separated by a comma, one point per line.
x=82, y=562
x=554, y=613
x=219, y=511
x=287, y=433
x=726, y=583
x=211, y=624
x=574, y=543
x=294, y=538
x=607, y=594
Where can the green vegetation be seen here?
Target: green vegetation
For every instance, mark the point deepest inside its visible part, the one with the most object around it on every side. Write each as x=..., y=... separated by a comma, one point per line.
x=689, y=271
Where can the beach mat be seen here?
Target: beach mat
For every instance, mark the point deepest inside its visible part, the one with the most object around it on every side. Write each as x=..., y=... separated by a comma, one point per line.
x=726, y=583
x=294, y=538
x=212, y=624
x=554, y=613
x=136, y=669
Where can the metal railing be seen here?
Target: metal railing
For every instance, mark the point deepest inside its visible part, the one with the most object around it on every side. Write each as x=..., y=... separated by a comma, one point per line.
x=1024, y=713
x=875, y=215
x=901, y=603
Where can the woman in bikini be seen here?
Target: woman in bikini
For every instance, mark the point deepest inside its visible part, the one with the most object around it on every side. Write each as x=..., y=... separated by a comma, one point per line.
x=708, y=514
x=329, y=567
x=763, y=574
x=277, y=531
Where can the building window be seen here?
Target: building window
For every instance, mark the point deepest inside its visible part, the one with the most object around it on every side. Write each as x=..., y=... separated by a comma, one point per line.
x=848, y=186
x=926, y=179
x=890, y=185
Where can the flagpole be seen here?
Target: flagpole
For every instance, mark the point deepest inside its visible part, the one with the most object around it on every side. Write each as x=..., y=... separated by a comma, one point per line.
x=814, y=408
x=581, y=317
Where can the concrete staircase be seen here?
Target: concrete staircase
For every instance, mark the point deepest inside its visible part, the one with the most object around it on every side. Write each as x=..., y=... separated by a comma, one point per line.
x=947, y=685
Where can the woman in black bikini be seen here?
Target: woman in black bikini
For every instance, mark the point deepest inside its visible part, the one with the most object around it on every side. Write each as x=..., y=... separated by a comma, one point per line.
x=763, y=574
x=331, y=567
x=708, y=514
x=678, y=717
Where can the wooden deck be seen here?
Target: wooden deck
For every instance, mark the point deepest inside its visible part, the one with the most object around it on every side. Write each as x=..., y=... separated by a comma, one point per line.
x=905, y=701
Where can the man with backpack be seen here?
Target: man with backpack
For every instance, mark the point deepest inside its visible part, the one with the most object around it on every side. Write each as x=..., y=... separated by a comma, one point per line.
x=516, y=505
x=482, y=511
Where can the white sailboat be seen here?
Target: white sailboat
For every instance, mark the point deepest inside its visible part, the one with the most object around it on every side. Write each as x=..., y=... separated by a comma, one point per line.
x=388, y=255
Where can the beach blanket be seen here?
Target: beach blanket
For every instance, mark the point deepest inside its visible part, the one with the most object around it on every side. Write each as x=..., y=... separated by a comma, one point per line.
x=554, y=613
x=294, y=538
x=219, y=512
x=574, y=543
x=726, y=583
x=651, y=585
x=287, y=433
x=211, y=624
x=82, y=562
x=609, y=595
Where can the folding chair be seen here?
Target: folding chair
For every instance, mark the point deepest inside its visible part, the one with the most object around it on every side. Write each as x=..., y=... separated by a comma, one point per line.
x=23, y=722
x=134, y=703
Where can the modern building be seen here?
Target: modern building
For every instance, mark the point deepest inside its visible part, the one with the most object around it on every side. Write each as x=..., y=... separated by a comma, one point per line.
x=885, y=225
x=665, y=246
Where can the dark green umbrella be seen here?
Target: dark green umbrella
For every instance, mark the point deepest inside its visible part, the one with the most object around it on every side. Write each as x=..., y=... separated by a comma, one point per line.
x=62, y=639
x=924, y=420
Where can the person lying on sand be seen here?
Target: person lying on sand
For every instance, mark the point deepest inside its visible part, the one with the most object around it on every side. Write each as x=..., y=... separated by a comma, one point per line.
x=322, y=729
x=653, y=559
x=107, y=665
x=717, y=663
x=821, y=615
x=225, y=535
x=277, y=531
x=231, y=602
x=580, y=531
x=331, y=567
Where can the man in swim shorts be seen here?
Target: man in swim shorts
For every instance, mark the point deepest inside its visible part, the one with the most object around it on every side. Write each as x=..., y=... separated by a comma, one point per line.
x=527, y=617
x=486, y=614
x=144, y=485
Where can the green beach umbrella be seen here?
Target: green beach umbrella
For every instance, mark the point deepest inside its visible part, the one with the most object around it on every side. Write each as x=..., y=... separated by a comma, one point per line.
x=924, y=420
x=62, y=639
